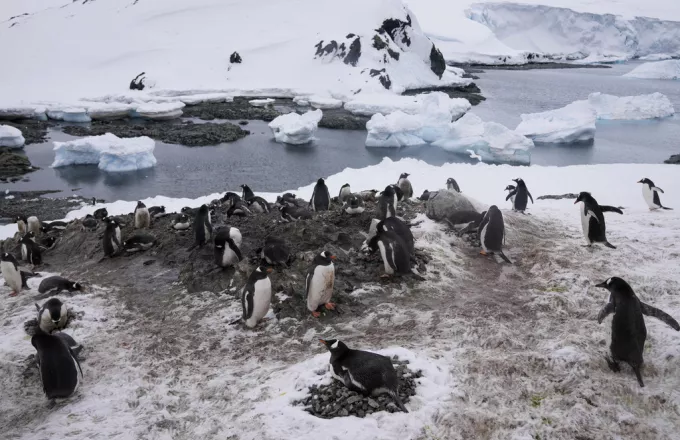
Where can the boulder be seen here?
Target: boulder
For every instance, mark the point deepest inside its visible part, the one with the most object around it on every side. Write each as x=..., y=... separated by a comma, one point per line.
x=444, y=203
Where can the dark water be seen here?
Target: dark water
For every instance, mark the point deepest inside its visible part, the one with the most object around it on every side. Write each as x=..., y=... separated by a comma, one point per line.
x=268, y=166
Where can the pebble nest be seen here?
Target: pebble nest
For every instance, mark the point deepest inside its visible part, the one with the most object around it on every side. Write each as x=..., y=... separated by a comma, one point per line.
x=334, y=400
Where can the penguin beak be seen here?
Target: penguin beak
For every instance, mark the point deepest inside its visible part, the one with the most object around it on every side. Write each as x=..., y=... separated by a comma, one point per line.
x=639, y=181
x=270, y=270
x=575, y=201
x=323, y=342
x=333, y=257
x=602, y=284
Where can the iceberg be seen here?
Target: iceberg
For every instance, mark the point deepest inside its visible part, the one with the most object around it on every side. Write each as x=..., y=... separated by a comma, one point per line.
x=205, y=97
x=158, y=111
x=572, y=123
x=11, y=137
x=108, y=111
x=23, y=112
x=654, y=105
x=368, y=104
x=68, y=114
x=296, y=129
x=669, y=69
x=108, y=151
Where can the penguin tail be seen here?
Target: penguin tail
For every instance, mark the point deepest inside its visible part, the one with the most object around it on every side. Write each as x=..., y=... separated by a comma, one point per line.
x=636, y=369
x=398, y=402
x=609, y=245
x=667, y=208
x=506, y=259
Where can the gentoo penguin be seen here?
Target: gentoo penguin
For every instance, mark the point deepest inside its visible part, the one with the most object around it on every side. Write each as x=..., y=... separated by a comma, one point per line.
x=90, y=222
x=387, y=203
x=395, y=225
x=48, y=242
x=157, y=211
x=230, y=197
x=491, y=233
x=140, y=241
x=275, y=251
x=70, y=342
x=21, y=221
x=239, y=209
x=471, y=220
x=247, y=193
x=393, y=250
x=321, y=198
x=55, y=284
x=142, y=216
x=202, y=226
x=427, y=195
x=319, y=283
x=398, y=192
x=258, y=205
x=181, y=222
x=191, y=212
x=369, y=195
x=353, y=205
x=511, y=189
x=294, y=213
x=651, y=194
x=520, y=196
x=29, y=236
x=405, y=186
x=345, y=192
x=227, y=247
x=628, y=325
x=53, y=226
x=368, y=373
x=10, y=272
x=452, y=185
x=58, y=365
x=287, y=199
x=101, y=214
x=592, y=219
x=33, y=225
x=30, y=251
x=112, y=238
x=256, y=296
x=52, y=315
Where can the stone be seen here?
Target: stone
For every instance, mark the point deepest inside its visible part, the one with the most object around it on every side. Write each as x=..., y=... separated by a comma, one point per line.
x=445, y=203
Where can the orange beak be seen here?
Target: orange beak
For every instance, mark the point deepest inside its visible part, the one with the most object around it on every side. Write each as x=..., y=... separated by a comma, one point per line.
x=322, y=341
x=333, y=257
x=270, y=270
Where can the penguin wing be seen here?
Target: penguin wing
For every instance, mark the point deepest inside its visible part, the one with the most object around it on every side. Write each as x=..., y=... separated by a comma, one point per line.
x=308, y=279
x=590, y=213
x=247, y=301
x=606, y=311
x=511, y=193
x=483, y=223
x=605, y=208
x=656, y=188
x=75, y=358
x=235, y=249
x=656, y=199
x=660, y=315
x=529, y=194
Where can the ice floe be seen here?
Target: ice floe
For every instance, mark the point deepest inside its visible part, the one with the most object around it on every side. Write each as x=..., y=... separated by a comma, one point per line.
x=296, y=129
x=654, y=105
x=158, y=111
x=572, y=123
x=11, y=137
x=68, y=114
x=108, y=151
x=669, y=69
x=368, y=104
x=261, y=102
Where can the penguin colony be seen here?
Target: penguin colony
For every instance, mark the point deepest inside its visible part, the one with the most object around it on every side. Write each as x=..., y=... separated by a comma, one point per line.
x=364, y=372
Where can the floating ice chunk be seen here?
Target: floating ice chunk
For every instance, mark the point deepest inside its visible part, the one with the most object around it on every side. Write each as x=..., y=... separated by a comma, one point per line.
x=108, y=111
x=11, y=137
x=23, y=112
x=669, y=69
x=158, y=111
x=301, y=100
x=108, y=151
x=572, y=123
x=368, y=104
x=261, y=102
x=68, y=114
x=655, y=105
x=492, y=141
x=204, y=97
x=324, y=102
x=296, y=129
x=656, y=57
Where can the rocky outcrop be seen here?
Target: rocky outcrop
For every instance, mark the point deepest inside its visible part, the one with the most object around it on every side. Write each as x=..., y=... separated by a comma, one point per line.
x=674, y=159
x=445, y=203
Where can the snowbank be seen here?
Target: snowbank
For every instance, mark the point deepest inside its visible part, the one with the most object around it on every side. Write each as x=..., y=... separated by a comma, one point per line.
x=11, y=112
x=68, y=114
x=296, y=129
x=654, y=105
x=368, y=104
x=109, y=152
x=11, y=137
x=158, y=111
x=108, y=111
x=669, y=69
x=572, y=123
x=324, y=102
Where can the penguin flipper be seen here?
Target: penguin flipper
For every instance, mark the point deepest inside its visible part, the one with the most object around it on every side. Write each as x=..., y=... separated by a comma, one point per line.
x=506, y=259
x=636, y=369
x=606, y=208
x=398, y=402
x=656, y=188
x=529, y=194
x=606, y=311
x=660, y=315
x=512, y=193
x=609, y=245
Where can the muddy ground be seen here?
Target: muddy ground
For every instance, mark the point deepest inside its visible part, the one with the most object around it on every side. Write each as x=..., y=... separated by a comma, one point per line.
x=30, y=203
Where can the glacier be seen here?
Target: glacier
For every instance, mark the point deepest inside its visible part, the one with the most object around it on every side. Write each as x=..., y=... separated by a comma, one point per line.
x=669, y=69
x=108, y=151
x=11, y=137
x=296, y=129
x=572, y=123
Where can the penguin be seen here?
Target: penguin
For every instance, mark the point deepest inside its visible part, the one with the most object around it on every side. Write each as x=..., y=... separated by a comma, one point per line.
x=452, y=185
x=239, y=209
x=10, y=272
x=230, y=197
x=650, y=192
x=227, y=247
x=491, y=233
x=369, y=195
x=139, y=242
x=53, y=226
x=353, y=205
x=142, y=216
x=294, y=213
x=345, y=192
x=393, y=250
x=321, y=198
x=25, y=275
x=191, y=212
x=247, y=193
x=258, y=205
x=395, y=225
x=21, y=222
x=387, y=203
x=288, y=199
x=256, y=296
x=180, y=222
x=405, y=185
x=275, y=251
x=29, y=236
x=520, y=196
x=58, y=365
x=471, y=220
x=94, y=201
x=90, y=222
x=628, y=325
x=511, y=189
x=157, y=211
x=101, y=214
x=112, y=238
x=33, y=225
x=70, y=342
x=30, y=251
x=368, y=373
x=55, y=284
x=202, y=226
x=319, y=283
x=592, y=219
x=427, y=195
x=398, y=192
x=48, y=242
x=52, y=315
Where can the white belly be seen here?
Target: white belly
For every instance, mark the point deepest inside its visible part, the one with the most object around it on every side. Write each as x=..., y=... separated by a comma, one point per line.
x=142, y=218
x=34, y=224
x=585, y=221
x=321, y=286
x=229, y=257
x=648, y=195
x=181, y=226
x=261, y=300
x=118, y=236
x=24, y=252
x=482, y=237
x=11, y=275
x=354, y=211
x=383, y=254
x=235, y=235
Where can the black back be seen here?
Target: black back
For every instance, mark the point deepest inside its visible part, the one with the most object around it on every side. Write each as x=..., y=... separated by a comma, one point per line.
x=58, y=365
x=201, y=223
x=222, y=241
x=33, y=253
x=58, y=283
x=399, y=259
x=321, y=198
x=628, y=324
x=452, y=182
x=400, y=228
x=386, y=203
x=110, y=238
x=247, y=193
x=597, y=229
x=522, y=195
x=276, y=249
x=398, y=192
x=259, y=200
x=101, y=213
x=495, y=229
x=248, y=294
x=9, y=257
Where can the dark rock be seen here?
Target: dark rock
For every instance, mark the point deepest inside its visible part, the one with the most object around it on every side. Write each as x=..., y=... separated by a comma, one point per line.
x=674, y=159
x=13, y=165
x=378, y=42
x=393, y=54
x=138, y=82
x=571, y=196
x=445, y=203
x=469, y=92
x=242, y=122
x=396, y=29
x=352, y=57
x=235, y=58
x=238, y=109
x=437, y=62
x=343, y=120
x=35, y=132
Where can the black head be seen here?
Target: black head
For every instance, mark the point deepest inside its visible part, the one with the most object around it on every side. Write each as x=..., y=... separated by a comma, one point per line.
x=7, y=257
x=261, y=272
x=44, y=228
x=519, y=182
x=334, y=346
x=20, y=218
x=53, y=306
x=162, y=208
x=389, y=191
x=493, y=209
x=404, y=175
x=28, y=236
x=321, y=182
x=140, y=205
x=324, y=258
x=346, y=185
x=616, y=285
x=76, y=286
x=450, y=180
x=646, y=181
x=584, y=197
x=89, y=216
x=244, y=186
x=510, y=187
x=203, y=209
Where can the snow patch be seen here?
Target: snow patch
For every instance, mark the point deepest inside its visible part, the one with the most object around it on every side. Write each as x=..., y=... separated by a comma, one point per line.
x=669, y=69
x=108, y=151
x=11, y=137
x=654, y=105
x=261, y=102
x=296, y=129
x=68, y=114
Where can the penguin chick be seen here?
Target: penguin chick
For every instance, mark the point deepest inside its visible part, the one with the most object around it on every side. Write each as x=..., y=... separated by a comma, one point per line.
x=405, y=186
x=227, y=247
x=294, y=213
x=139, y=242
x=142, y=216
x=345, y=192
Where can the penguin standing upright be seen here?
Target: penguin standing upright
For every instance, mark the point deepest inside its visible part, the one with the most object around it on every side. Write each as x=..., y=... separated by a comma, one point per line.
x=256, y=296
x=321, y=198
x=592, y=219
x=52, y=315
x=345, y=192
x=58, y=365
x=353, y=205
x=142, y=216
x=628, y=325
x=56, y=284
x=650, y=192
x=387, y=203
x=367, y=373
x=405, y=185
x=112, y=238
x=393, y=224
x=10, y=272
x=33, y=225
x=319, y=283
x=520, y=196
x=30, y=250
x=393, y=250
x=491, y=233
x=452, y=185
x=21, y=222
x=511, y=189
x=227, y=247
x=276, y=251
x=202, y=226
x=247, y=193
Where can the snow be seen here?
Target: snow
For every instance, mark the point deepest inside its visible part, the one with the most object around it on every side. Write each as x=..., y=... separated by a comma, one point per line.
x=158, y=111
x=261, y=102
x=324, y=102
x=656, y=57
x=669, y=69
x=108, y=111
x=368, y=104
x=654, y=105
x=11, y=137
x=205, y=97
x=9, y=112
x=108, y=151
x=68, y=114
x=572, y=123
x=296, y=129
